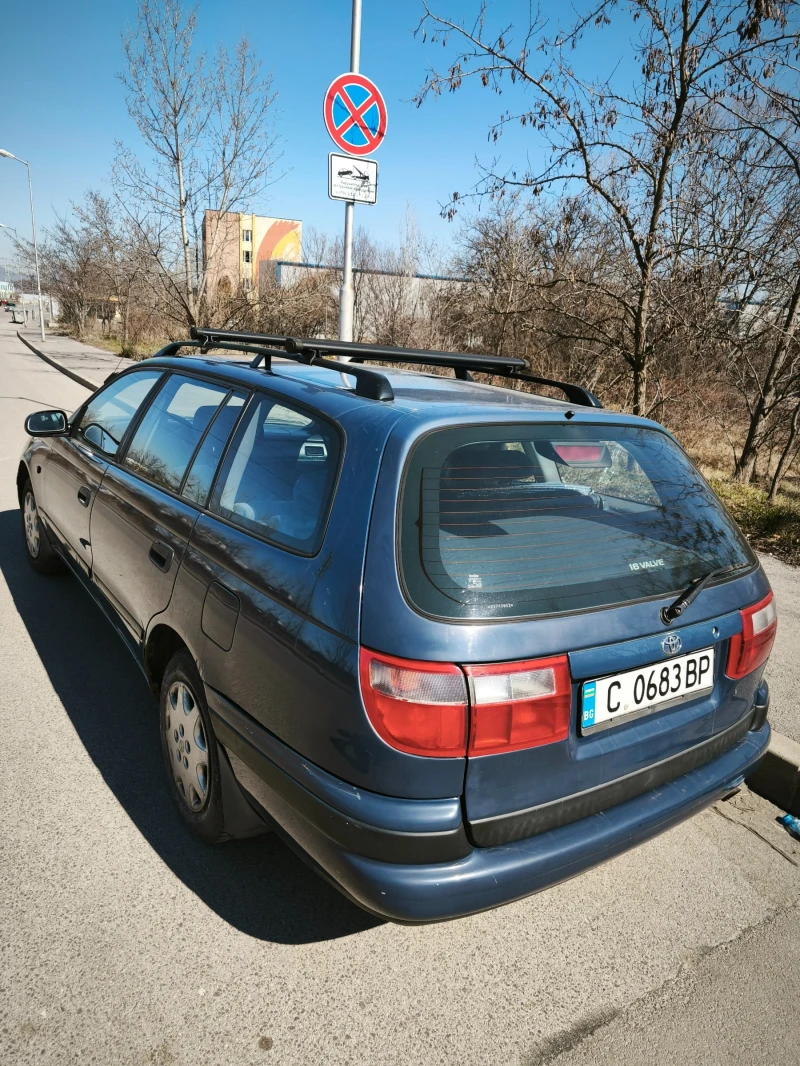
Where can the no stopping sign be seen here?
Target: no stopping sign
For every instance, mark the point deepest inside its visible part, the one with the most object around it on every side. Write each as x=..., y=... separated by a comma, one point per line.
x=355, y=114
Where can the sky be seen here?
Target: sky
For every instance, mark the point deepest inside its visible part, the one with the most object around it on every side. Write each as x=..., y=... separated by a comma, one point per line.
x=64, y=107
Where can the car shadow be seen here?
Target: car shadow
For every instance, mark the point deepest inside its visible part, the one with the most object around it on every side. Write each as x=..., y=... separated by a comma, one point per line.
x=259, y=885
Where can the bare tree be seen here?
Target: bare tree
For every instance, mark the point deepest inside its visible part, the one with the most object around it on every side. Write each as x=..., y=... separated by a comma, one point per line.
x=207, y=131
x=766, y=105
x=124, y=266
x=620, y=145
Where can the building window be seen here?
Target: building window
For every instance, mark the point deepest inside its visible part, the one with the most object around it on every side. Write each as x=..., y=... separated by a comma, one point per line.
x=247, y=235
x=247, y=256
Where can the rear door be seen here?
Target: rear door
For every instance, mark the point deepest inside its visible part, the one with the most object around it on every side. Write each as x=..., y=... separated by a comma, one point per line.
x=146, y=507
x=254, y=553
x=575, y=534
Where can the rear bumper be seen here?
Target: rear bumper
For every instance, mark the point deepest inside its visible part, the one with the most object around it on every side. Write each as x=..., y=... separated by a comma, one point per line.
x=489, y=877
x=410, y=887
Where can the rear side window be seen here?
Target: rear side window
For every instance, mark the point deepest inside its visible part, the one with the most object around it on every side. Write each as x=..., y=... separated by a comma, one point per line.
x=167, y=436
x=110, y=412
x=279, y=473
x=205, y=463
x=510, y=521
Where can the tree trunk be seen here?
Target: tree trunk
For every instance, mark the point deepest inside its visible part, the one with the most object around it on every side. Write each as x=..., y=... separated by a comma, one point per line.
x=639, y=387
x=785, y=461
x=745, y=465
x=187, y=269
x=639, y=361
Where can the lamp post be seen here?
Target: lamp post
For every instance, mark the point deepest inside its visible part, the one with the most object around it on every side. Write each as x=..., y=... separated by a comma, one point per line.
x=10, y=155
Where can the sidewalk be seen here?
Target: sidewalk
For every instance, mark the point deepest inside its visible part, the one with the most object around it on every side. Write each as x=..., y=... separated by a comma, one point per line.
x=87, y=365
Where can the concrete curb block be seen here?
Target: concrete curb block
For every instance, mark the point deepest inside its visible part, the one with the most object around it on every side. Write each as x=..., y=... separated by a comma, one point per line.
x=91, y=385
x=777, y=776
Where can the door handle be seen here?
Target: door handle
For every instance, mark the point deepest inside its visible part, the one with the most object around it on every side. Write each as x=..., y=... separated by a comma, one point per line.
x=84, y=495
x=161, y=555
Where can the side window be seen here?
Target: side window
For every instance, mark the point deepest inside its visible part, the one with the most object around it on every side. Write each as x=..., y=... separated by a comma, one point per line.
x=279, y=473
x=167, y=436
x=109, y=413
x=205, y=463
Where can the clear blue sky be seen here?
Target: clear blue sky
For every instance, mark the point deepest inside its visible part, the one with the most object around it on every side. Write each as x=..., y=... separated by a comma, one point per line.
x=64, y=107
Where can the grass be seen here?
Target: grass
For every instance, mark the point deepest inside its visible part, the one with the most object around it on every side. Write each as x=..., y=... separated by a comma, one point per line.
x=770, y=527
x=112, y=343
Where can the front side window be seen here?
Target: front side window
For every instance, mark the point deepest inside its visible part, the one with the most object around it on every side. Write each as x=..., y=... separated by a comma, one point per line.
x=108, y=414
x=167, y=436
x=279, y=473
x=509, y=521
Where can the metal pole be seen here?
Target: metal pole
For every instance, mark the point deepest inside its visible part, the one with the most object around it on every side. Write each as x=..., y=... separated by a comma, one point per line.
x=36, y=254
x=346, y=295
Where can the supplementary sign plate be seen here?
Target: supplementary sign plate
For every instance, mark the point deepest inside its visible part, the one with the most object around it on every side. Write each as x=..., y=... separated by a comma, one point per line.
x=352, y=179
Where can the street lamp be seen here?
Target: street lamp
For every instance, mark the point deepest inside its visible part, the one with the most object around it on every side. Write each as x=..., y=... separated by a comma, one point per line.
x=10, y=155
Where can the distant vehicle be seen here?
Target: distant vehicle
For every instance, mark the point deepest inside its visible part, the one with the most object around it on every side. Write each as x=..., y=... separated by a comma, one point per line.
x=455, y=642
x=10, y=306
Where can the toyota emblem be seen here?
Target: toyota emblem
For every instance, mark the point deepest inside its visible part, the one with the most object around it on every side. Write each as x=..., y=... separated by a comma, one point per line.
x=671, y=644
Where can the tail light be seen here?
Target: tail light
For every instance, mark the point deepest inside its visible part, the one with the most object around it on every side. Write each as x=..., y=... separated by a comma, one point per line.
x=418, y=707
x=519, y=705
x=752, y=646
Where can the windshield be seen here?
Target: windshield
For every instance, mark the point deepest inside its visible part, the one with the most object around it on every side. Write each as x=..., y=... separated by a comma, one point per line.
x=509, y=521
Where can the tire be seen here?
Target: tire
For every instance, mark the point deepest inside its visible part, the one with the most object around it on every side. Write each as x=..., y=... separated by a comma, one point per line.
x=189, y=747
x=38, y=549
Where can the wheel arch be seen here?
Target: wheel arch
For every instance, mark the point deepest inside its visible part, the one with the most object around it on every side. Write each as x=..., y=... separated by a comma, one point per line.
x=162, y=643
x=23, y=475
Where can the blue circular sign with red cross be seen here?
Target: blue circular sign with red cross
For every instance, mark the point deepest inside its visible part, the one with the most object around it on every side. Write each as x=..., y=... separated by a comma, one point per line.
x=355, y=114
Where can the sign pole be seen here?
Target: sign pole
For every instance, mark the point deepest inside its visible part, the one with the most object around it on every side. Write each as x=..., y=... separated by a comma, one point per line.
x=346, y=292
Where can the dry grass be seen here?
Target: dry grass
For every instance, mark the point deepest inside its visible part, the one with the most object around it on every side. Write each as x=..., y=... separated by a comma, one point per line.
x=770, y=527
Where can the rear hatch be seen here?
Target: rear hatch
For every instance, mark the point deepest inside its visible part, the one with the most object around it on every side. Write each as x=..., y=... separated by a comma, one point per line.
x=587, y=531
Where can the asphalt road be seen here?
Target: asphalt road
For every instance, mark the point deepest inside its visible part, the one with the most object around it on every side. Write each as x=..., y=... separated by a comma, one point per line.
x=123, y=941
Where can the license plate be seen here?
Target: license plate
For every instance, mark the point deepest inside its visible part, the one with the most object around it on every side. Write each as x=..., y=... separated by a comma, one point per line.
x=639, y=692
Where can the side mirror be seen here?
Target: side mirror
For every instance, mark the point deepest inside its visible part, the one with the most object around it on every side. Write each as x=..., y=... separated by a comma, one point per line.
x=47, y=424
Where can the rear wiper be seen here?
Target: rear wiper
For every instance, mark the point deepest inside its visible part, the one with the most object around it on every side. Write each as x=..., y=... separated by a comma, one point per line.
x=689, y=595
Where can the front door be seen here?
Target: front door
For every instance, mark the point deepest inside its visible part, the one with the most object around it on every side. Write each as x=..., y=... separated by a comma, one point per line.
x=76, y=464
x=142, y=517
x=72, y=475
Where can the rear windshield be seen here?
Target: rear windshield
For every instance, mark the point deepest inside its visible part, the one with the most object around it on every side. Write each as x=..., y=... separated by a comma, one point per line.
x=508, y=521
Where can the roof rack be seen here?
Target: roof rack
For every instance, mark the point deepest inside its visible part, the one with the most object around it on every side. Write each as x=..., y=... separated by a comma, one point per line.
x=369, y=380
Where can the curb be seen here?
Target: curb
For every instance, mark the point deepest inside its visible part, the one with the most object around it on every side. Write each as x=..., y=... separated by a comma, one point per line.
x=777, y=776
x=91, y=385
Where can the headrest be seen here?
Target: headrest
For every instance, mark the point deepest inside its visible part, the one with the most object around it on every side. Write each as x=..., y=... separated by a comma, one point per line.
x=203, y=416
x=488, y=460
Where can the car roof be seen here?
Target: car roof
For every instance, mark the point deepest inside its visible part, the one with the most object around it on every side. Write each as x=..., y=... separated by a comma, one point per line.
x=426, y=397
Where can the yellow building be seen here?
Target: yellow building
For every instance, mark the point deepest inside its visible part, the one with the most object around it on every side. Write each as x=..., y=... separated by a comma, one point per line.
x=236, y=245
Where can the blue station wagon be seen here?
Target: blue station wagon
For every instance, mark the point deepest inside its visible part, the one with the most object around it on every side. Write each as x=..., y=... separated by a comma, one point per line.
x=455, y=642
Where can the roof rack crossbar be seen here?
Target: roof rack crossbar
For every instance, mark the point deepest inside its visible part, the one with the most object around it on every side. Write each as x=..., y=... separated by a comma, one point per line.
x=310, y=350
x=369, y=381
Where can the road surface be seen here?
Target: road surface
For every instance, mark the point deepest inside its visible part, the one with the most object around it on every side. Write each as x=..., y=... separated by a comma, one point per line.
x=124, y=941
